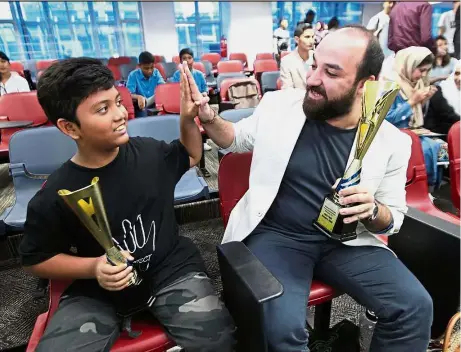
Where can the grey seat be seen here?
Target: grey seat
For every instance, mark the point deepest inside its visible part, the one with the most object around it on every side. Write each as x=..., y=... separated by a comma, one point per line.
x=34, y=155
x=269, y=81
x=166, y=127
x=170, y=68
x=209, y=76
x=234, y=115
x=222, y=76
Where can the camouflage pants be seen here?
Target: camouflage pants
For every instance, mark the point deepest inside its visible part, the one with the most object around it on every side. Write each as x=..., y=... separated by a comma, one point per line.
x=189, y=310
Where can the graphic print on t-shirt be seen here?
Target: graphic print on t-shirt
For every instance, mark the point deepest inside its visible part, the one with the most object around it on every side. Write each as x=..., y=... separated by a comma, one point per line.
x=135, y=238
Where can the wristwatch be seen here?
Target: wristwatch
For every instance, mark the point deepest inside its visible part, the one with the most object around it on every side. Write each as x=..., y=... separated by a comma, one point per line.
x=375, y=213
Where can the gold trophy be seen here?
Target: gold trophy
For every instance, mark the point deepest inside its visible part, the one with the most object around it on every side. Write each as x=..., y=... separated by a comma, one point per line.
x=377, y=99
x=88, y=205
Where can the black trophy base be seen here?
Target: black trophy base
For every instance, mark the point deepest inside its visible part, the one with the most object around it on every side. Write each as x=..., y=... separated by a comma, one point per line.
x=331, y=223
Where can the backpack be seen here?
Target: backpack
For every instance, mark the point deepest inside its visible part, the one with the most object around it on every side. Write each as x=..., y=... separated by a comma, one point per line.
x=245, y=94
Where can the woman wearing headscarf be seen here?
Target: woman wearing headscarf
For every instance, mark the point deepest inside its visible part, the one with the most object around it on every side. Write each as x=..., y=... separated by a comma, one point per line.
x=411, y=70
x=451, y=89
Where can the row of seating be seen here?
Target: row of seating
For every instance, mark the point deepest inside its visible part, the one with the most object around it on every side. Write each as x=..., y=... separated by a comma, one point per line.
x=36, y=153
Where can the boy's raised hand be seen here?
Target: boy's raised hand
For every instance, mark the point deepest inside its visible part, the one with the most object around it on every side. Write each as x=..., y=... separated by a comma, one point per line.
x=191, y=98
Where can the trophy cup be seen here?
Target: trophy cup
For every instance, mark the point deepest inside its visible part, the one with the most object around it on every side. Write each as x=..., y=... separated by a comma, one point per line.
x=88, y=205
x=377, y=99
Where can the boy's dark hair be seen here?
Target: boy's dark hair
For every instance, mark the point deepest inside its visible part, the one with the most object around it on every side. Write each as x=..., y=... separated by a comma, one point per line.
x=185, y=51
x=333, y=23
x=373, y=58
x=4, y=57
x=301, y=28
x=428, y=60
x=64, y=85
x=146, y=58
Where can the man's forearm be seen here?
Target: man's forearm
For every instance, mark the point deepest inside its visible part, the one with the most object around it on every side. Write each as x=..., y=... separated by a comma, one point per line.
x=382, y=221
x=191, y=138
x=65, y=267
x=220, y=131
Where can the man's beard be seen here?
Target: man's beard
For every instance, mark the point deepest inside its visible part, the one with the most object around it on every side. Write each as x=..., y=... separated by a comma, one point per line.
x=327, y=109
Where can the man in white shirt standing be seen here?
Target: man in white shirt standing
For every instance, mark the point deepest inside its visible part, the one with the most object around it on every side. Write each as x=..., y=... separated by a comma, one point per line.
x=10, y=82
x=447, y=26
x=294, y=66
x=379, y=24
x=282, y=37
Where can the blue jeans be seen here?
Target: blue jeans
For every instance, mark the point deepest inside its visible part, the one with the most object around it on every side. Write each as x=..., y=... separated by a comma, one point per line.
x=373, y=276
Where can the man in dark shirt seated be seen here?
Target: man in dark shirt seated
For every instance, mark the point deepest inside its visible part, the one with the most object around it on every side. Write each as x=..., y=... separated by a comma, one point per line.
x=137, y=177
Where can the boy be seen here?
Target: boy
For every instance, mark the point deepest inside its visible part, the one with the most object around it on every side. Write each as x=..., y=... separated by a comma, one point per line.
x=137, y=177
x=142, y=82
x=188, y=56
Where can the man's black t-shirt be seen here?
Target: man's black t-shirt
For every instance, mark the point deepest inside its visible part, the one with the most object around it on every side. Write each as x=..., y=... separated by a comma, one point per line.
x=138, y=192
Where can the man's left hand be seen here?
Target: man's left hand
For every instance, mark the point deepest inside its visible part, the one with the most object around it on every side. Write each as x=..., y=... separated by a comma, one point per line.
x=363, y=201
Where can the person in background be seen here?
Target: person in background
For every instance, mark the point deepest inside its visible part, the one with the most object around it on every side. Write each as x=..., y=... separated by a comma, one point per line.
x=187, y=55
x=411, y=72
x=447, y=27
x=456, y=38
x=321, y=30
x=143, y=81
x=310, y=16
x=333, y=24
x=281, y=37
x=410, y=25
x=294, y=66
x=379, y=24
x=10, y=82
x=444, y=64
x=451, y=89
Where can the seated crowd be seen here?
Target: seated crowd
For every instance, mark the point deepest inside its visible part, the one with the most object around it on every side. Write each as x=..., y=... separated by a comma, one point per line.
x=322, y=86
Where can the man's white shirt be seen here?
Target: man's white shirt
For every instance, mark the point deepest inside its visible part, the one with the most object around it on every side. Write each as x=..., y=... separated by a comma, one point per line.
x=447, y=20
x=380, y=22
x=15, y=84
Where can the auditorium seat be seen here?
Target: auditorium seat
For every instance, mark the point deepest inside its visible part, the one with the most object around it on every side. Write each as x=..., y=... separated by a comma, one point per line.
x=416, y=186
x=230, y=66
x=115, y=69
x=127, y=101
x=42, y=65
x=20, y=107
x=454, y=157
x=34, y=154
x=199, y=66
x=161, y=69
x=269, y=81
x=239, y=56
x=190, y=187
x=18, y=67
x=121, y=60
x=169, y=68
x=265, y=56
x=159, y=59
x=227, y=82
x=209, y=75
x=125, y=70
x=233, y=181
x=261, y=66
x=167, y=98
x=176, y=59
x=214, y=58
x=229, y=75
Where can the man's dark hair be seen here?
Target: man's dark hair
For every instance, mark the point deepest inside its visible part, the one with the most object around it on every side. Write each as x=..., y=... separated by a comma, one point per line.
x=373, y=58
x=146, y=58
x=310, y=13
x=428, y=60
x=3, y=56
x=301, y=28
x=185, y=51
x=66, y=84
x=333, y=23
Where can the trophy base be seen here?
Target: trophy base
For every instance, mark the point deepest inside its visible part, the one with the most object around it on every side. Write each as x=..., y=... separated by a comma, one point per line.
x=331, y=223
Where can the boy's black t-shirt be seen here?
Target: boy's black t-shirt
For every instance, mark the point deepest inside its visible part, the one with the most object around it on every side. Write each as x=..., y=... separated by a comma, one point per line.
x=138, y=192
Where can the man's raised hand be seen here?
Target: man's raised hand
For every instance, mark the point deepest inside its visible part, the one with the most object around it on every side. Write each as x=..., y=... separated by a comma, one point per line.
x=191, y=98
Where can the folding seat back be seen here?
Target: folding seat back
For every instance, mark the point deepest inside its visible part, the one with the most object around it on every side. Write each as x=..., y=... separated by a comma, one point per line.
x=167, y=98
x=159, y=58
x=176, y=60
x=200, y=67
x=214, y=58
x=269, y=81
x=44, y=64
x=115, y=69
x=230, y=66
x=223, y=76
x=261, y=66
x=265, y=56
x=245, y=94
x=121, y=60
x=239, y=56
x=125, y=70
x=169, y=68
x=18, y=67
x=127, y=101
x=454, y=157
x=161, y=69
x=228, y=82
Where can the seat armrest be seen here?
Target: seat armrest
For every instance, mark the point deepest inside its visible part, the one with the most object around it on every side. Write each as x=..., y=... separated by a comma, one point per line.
x=247, y=286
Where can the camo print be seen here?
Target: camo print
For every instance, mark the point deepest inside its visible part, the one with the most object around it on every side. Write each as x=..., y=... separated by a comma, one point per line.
x=189, y=310
x=194, y=316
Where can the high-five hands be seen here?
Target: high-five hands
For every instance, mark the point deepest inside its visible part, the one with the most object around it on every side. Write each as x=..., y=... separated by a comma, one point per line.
x=193, y=103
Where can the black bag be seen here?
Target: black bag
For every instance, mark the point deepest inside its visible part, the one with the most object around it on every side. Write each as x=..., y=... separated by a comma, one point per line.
x=343, y=337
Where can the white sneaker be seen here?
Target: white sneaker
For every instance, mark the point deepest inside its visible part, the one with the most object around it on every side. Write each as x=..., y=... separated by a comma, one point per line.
x=206, y=147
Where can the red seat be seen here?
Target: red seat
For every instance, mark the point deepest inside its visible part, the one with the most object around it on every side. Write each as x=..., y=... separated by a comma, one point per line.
x=261, y=66
x=117, y=61
x=416, y=185
x=127, y=101
x=233, y=181
x=214, y=58
x=153, y=337
x=176, y=59
x=230, y=66
x=239, y=56
x=226, y=83
x=44, y=64
x=264, y=56
x=115, y=69
x=20, y=107
x=454, y=154
x=158, y=59
x=18, y=67
x=161, y=69
x=167, y=98
x=199, y=66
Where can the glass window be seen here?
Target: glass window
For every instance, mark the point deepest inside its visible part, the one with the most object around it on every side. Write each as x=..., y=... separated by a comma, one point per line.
x=5, y=11
x=78, y=11
x=108, y=44
x=84, y=40
x=132, y=36
x=103, y=11
x=9, y=42
x=208, y=11
x=128, y=10
x=184, y=11
x=36, y=39
x=187, y=36
x=58, y=12
x=32, y=11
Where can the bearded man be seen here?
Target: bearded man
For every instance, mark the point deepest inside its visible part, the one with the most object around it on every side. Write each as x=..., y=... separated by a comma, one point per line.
x=315, y=131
